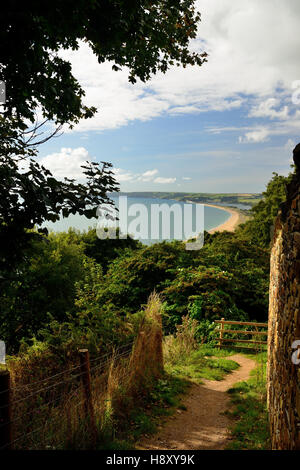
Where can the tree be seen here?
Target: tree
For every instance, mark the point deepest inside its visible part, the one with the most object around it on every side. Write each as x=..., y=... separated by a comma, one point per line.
x=229, y=276
x=105, y=251
x=44, y=284
x=258, y=230
x=34, y=196
x=144, y=36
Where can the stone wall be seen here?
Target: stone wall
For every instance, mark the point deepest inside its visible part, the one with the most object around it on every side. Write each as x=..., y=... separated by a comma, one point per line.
x=284, y=323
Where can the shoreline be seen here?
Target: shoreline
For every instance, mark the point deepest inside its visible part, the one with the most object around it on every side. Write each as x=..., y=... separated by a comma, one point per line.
x=236, y=218
x=230, y=225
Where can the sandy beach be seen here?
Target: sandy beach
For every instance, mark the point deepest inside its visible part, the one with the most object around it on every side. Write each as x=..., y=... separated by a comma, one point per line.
x=236, y=218
x=230, y=225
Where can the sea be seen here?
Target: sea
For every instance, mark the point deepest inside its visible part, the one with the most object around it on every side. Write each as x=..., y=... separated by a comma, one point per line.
x=213, y=217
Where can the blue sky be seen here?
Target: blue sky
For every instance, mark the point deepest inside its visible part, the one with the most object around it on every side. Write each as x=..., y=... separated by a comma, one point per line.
x=222, y=127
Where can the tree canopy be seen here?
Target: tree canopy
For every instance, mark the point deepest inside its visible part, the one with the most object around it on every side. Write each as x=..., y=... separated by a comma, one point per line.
x=144, y=36
x=258, y=230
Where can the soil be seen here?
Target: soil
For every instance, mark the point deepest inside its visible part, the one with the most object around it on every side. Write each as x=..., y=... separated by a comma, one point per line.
x=203, y=425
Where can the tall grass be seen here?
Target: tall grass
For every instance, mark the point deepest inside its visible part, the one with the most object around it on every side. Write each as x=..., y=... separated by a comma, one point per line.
x=146, y=361
x=128, y=384
x=180, y=345
x=49, y=412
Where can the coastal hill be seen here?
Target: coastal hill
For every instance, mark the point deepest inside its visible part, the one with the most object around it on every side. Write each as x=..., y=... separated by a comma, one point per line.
x=210, y=198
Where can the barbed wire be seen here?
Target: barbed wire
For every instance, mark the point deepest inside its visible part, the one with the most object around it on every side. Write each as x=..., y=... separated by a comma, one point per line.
x=113, y=355
x=110, y=359
x=21, y=437
x=121, y=351
x=66, y=371
x=44, y=389
x=27, y=413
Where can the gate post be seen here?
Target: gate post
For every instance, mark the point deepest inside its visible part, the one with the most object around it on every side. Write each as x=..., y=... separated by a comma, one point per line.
x=221, y=332
x=86, y=382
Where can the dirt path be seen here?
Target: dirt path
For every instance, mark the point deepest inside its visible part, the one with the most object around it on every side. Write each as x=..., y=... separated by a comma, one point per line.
x=202, y=425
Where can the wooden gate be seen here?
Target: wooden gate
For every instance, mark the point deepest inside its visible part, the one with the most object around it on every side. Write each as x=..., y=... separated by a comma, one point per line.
x=256, y=334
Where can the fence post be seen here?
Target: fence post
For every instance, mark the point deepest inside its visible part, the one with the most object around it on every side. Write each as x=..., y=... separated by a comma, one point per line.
x=221, y=333
x=5, y=411
x=86, y=382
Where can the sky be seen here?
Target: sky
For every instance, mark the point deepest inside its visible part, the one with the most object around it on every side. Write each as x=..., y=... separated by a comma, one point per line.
x=222, y=127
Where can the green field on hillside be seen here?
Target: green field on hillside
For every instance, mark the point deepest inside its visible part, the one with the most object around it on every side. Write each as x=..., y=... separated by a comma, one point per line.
x=210, y=198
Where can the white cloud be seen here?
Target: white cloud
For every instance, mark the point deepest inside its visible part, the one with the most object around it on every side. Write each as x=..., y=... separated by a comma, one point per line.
x=259, y=135
x=123, y=175
x=267, y=109
x=67, y=162
x=290, y=145
x=184, y=110
x=164, y=180
x=186, y=178
x=253, y=53
x=148, y=175
x=118, y=101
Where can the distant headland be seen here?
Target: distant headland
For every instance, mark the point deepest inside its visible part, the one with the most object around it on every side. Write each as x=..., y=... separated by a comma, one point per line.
x=221, y=199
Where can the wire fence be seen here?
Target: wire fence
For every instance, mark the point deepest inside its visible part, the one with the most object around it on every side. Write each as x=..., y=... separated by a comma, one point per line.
x=54, y=412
